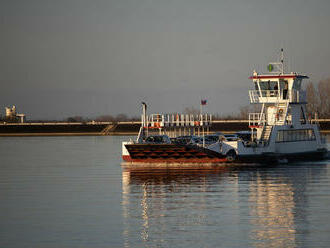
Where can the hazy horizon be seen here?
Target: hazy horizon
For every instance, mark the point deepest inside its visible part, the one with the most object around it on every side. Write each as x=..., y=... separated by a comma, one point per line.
x=103, y=57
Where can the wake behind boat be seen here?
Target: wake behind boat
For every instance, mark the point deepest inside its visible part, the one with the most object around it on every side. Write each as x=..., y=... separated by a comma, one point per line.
x=280, y=132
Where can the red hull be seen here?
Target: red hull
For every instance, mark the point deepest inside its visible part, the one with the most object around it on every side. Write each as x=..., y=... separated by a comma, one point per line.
x=171, y=153
x=171, y=160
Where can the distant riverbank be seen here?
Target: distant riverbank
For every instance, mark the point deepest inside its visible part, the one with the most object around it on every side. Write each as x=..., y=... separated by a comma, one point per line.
x=113, y=128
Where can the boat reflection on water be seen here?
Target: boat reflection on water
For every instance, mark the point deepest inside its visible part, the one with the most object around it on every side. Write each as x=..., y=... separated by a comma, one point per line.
x=149, y=208
x=231, y=206
x=272, y=213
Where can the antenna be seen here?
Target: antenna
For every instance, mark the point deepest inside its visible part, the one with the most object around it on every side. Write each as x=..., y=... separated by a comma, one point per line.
x=282, y=60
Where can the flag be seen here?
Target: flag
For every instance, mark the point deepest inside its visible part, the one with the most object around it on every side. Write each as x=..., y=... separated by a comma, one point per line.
x=203, y=102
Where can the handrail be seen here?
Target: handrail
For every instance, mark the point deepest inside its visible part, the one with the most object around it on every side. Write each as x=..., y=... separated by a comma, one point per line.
x=257, y=119
x=179, y=120
x=259, y=96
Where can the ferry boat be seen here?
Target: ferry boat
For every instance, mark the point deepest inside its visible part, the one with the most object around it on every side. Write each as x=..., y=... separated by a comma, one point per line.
x=280, y=132
x=171, y=138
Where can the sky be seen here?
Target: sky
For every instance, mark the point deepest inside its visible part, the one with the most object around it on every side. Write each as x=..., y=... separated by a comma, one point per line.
x=104, y=57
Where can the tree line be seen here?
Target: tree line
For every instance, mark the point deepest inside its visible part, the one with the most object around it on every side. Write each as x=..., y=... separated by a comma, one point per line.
x=318, y=105
x=317, y=96
x=318, y=99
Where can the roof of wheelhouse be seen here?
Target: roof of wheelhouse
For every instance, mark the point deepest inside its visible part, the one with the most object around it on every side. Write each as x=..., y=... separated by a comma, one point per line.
x=278, y=76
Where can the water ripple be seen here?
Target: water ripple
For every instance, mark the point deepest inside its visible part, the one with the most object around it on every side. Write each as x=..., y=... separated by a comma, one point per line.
x=72, y=192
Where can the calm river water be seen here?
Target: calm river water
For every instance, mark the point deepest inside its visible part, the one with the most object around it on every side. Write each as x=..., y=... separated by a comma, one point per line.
x=73, y=192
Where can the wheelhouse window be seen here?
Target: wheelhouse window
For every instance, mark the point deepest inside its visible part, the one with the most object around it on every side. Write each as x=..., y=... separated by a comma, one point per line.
x=269, y=88
x=297, y=84
x=295, y=135
x=268, y=85
x=256, y=86
x=284, y=86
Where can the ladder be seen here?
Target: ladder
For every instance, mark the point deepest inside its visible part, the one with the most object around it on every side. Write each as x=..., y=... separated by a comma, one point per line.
x=267, y=130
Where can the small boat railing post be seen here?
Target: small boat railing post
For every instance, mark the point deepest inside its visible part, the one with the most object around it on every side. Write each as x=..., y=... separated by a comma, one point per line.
x=198, y=124
x=162, y=123
x=298, y=100
x=203, y=127
x=147, y=126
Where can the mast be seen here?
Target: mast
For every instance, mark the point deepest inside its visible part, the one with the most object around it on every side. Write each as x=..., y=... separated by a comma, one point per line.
x=279, y=65
x=282, y=60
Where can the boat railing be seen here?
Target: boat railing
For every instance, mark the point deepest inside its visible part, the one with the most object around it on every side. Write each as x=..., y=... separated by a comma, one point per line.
x=260, y=96
x=179, y=120
x=256, y=119
x=274, y=96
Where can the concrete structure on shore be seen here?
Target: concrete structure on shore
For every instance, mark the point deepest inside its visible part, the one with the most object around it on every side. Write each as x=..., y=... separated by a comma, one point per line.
x=114, y=128
x=13, y=116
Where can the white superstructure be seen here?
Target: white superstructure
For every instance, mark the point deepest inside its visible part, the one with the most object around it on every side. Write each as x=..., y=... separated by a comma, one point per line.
x=282, y=127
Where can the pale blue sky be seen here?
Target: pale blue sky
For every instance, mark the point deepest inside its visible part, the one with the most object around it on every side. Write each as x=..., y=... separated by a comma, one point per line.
x=81, y=57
